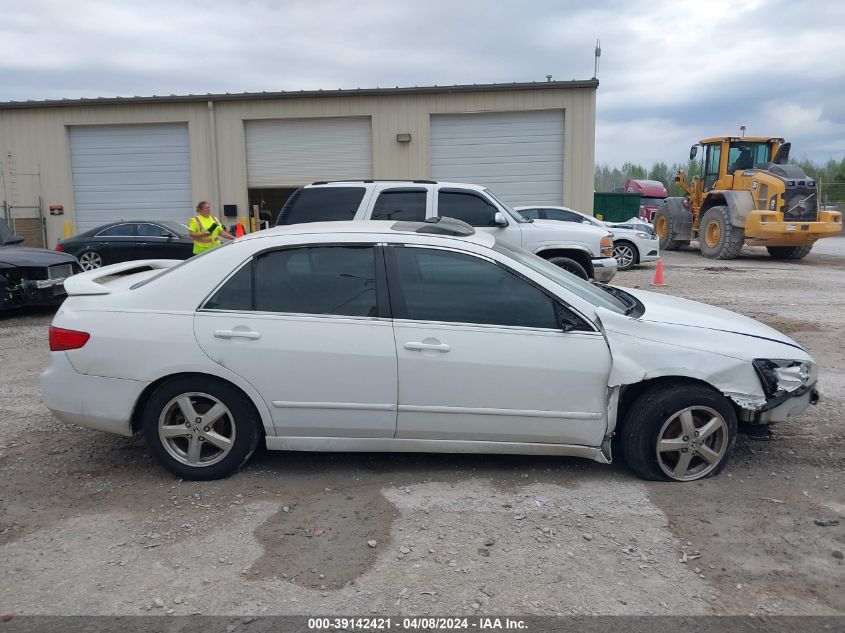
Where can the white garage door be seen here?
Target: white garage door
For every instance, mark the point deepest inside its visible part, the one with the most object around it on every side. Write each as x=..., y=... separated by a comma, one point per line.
x=518, y=155
x=295, y=152
x=128, y=172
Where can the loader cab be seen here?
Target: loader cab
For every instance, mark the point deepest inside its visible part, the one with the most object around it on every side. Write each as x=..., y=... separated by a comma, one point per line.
x=724, y=156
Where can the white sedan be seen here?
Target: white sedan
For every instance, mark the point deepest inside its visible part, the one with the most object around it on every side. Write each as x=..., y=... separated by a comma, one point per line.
x=634, y=241
x=424, y=337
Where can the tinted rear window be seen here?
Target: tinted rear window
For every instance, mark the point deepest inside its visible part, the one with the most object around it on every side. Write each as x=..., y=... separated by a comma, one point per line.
x=321, y=204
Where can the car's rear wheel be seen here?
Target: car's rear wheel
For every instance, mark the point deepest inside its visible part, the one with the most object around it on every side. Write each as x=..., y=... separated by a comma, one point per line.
x=200, y=427
x=682, y=432
x=570, y=265
x=626, y=254
x=89, y=260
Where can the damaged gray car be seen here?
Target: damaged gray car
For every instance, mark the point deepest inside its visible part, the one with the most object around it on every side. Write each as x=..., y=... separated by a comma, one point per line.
x=31, y=276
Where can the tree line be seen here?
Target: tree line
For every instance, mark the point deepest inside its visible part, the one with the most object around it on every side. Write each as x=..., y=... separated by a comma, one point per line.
x=830, y=176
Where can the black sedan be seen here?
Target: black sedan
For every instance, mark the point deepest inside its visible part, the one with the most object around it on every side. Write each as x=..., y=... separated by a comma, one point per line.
x=31, y=276
x=127, y=240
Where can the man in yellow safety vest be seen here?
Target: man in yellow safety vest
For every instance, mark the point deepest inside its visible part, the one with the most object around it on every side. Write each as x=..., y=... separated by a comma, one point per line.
x=205, y=230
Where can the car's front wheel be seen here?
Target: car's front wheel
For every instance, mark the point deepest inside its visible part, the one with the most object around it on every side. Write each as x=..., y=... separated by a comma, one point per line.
x=570, y=266
x=626, y=254
x=200, y=427
x=681, y=432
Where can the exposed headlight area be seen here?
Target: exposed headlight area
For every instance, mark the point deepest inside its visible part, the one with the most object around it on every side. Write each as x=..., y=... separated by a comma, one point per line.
x=783, y=377
x=646, y=236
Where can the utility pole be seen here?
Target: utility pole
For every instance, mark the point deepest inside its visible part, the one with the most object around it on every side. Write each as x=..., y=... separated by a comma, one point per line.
x=598, y=55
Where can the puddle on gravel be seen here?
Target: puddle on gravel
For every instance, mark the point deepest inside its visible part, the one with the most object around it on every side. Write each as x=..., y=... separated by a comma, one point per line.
x=321, y=541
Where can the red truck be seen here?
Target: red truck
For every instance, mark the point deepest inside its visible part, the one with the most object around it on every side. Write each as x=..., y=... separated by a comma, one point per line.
x=652, y=194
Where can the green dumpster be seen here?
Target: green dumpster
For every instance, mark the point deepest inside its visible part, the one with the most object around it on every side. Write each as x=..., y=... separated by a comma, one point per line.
x=615, y=207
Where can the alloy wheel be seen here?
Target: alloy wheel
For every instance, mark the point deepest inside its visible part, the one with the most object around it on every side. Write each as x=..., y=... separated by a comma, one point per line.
x=624, y=255
x=196, y=429
x=692, y=443
x=89, y=260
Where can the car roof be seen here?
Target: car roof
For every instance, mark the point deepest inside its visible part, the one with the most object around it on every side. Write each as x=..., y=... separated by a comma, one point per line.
x=397, y=183
x=378, y=228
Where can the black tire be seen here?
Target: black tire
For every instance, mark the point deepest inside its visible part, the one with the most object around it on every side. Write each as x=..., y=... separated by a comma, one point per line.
x=665, y=229
x=728, y=239
x=789, y=252
x=570, y=265
x=634, y=254
x=645, y=419
x=241, y=421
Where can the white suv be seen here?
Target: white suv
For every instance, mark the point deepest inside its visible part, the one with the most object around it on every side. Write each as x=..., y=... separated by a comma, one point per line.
x=584, y=250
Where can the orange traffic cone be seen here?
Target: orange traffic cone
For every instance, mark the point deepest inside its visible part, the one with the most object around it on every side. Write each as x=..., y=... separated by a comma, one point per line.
x=658, y=275
x=239, y=230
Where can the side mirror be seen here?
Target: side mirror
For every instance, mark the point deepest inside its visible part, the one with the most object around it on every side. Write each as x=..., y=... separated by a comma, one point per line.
x=693, y=152
x=167, y=234
x=17, y=240
x=499, y=219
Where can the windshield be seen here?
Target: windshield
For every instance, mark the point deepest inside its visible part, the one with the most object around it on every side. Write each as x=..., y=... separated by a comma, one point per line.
x=746, y=154
x=514, y=214
x=652, y=202
x=585, y=290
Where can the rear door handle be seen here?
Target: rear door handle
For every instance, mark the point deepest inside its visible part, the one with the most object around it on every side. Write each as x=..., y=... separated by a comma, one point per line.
x=419, y=346
x=237, y=334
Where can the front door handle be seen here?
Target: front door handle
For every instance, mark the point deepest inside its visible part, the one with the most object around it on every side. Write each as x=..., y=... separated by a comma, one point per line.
x=419, y=346
x=237, y=334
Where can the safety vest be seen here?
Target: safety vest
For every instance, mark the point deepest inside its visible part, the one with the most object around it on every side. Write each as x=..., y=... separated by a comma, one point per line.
x=202, y=224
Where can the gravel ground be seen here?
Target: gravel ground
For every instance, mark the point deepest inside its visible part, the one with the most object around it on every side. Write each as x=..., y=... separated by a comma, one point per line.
x=90, y=525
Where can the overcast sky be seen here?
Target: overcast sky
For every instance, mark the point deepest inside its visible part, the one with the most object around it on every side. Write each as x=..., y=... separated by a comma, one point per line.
x=671, y=72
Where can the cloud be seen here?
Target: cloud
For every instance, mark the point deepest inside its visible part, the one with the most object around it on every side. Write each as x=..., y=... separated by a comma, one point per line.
x=670, y=73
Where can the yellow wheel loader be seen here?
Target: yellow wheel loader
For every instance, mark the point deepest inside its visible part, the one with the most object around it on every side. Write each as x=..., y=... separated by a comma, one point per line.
x=749, y=194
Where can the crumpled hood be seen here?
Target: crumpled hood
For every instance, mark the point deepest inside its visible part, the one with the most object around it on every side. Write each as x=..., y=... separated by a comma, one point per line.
x=30, y=257
x=660, y=308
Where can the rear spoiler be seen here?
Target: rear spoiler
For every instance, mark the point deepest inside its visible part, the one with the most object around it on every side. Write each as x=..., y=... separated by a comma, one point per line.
x=89, y=283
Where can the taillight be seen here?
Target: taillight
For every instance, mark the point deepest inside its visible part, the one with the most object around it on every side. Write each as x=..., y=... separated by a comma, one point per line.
x=59, y=248
x=62, y=339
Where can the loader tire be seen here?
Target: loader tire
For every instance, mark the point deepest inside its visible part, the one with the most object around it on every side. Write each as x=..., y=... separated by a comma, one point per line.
x=666, y=230
x=789, y=252
x=717, y=237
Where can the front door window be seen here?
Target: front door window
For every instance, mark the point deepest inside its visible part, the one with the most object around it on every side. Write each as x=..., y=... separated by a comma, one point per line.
x=711, y=171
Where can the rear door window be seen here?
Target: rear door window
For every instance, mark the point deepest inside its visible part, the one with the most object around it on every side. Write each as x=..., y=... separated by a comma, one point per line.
x=152, y=230
x=467, y=206
x=119, y=230
x=400, y=204
x=564, y=216
x=321, y=204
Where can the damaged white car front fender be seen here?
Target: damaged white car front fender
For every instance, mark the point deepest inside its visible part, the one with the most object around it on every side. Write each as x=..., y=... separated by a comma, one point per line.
x=644, y=349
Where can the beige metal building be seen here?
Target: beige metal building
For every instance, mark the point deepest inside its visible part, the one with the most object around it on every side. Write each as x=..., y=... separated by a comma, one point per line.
x=85, y=162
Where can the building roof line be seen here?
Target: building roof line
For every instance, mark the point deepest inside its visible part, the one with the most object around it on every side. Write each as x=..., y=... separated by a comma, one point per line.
x=303, y=94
